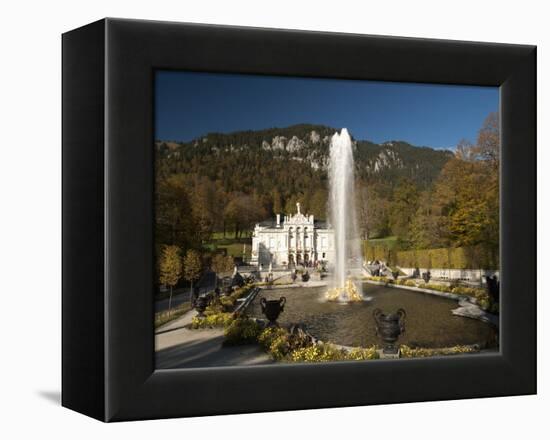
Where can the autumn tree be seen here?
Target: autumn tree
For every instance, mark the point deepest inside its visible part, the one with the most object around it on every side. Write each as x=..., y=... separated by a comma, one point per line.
x=243, y=211
x=192, y=266
x=488, y=140
x=372, y=211
x=290, y=205
x=425, y=230
x=174, y=221
x=317, y=203
x=204, y=205
x=466, y=151
x=465, y=196
x=488, y=143
x=403, y=207
x=170, y=269
x=462, y=207
x=277, y=203
x=222, y=263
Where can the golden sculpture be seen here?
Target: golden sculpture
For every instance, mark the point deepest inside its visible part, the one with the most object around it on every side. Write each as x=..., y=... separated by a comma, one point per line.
x=347, y=293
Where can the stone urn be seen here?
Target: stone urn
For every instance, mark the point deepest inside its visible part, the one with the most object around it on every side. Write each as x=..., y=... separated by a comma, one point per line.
x=389, y=327
x=200, y=305
x=272, y=308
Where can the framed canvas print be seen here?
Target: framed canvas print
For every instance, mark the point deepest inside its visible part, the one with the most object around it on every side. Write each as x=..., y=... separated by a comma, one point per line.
x=261, y=220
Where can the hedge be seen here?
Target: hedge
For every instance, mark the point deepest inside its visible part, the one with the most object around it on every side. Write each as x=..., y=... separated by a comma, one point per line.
x=474, y=257
x=377, y=252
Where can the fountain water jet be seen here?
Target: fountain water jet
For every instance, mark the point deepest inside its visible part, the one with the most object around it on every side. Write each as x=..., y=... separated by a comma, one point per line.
x=343, y=218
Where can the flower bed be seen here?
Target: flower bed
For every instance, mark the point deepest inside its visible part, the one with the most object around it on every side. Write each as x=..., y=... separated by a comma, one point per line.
x=212, y=320
x=408, y=352
x=328, y=352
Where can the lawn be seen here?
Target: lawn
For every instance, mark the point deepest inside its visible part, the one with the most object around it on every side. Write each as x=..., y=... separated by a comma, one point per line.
x=388, y=242
x=233, y=246
x=230, y=235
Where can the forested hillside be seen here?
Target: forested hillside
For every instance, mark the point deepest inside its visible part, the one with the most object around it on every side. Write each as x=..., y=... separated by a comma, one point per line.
x=297, y=155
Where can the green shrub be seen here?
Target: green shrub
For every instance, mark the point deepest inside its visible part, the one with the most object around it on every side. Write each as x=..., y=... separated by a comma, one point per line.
x=380, y=279
x=485, y=303
x=328, y=352
x=279, y=347
x=470, y=291
x=408, y=352
x=227, y=301
x=317, y=353
x=438, y=287
x=242, y=331
x=360, y=354
x=275, y=341
x=212, y=320
x=267, y=336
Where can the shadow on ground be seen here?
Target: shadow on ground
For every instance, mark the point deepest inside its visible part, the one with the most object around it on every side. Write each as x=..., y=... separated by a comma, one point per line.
x=51, y=396
x=209, y=353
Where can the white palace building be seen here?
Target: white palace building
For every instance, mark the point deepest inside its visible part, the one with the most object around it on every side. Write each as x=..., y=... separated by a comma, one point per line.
x=298, y=239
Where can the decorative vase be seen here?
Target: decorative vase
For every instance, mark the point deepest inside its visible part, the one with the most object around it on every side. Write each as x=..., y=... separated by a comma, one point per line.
x=272, y=309
x=389, y=327
x=200, y=305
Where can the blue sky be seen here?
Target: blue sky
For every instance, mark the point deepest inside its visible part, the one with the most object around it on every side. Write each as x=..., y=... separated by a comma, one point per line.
x=190, y=104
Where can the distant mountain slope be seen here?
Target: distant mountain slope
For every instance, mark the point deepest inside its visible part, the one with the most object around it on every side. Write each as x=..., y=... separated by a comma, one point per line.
x=292, y=157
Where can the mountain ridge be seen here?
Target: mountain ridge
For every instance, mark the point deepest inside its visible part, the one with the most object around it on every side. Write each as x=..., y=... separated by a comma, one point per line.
x=303, y=144
x=327, y=130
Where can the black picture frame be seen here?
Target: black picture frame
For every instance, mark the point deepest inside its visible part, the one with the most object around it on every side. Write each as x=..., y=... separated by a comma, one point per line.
x=108, y=175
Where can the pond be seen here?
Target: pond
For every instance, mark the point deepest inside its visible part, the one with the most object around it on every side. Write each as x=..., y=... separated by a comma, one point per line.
x=429, y=321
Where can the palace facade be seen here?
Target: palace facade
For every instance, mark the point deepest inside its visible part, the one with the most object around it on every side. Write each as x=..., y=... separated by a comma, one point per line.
x=293, y=240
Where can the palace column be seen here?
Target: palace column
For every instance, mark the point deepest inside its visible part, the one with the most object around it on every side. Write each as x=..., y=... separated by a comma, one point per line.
x=288, y=240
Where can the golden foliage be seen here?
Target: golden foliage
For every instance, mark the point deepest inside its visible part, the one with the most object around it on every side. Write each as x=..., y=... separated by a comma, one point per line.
x=170, y=265
x=192, y=265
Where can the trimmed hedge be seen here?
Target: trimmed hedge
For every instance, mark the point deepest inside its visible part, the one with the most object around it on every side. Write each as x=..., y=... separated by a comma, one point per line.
x=473, y=257
x=377, y=252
